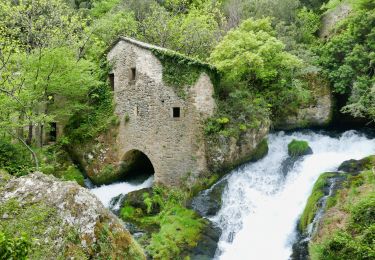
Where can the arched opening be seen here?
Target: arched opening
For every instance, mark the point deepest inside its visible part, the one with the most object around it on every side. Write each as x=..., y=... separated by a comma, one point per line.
x=136, y=166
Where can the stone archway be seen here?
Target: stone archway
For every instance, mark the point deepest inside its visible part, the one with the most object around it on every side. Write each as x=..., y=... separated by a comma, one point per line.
x=135, y=163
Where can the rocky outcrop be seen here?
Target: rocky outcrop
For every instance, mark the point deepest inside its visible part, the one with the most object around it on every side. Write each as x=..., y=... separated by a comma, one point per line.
x=64, y=220
x=332, y=17
x=226, y=152
x=316, y=113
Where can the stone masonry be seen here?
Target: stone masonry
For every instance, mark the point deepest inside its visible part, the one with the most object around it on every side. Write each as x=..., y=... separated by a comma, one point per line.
x=148, y=110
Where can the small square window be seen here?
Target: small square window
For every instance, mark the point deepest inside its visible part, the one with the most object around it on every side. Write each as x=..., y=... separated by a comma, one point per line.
x=111, y=78
x=133, y=73
x=176, y=112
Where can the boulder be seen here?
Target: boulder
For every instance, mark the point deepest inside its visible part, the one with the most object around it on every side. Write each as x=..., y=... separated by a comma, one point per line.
x=356, y=166
x=297, y=148
x=207, y=243
x=63, y=220
x=208, y=202
x=136, y=199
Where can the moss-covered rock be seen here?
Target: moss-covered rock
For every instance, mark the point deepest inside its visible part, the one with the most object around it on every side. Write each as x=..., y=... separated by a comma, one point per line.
x=312, y=204
x=356, y=166
x=4, y=177
x=63, y=220
x=226, y=152
x=299, y=148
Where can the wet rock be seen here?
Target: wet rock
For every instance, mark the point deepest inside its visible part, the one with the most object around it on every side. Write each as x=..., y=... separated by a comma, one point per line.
x=208, y=202
x=136, y=200
x=356, y=166
x=65, y=219
x=207, y=243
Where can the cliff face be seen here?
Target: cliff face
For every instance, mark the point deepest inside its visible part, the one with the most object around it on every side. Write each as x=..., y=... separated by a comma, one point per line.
x=63, y=220
x=316, y=113
x=225, y=153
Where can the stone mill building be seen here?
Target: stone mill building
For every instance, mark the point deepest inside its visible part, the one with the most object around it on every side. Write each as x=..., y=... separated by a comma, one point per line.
x=160, y=122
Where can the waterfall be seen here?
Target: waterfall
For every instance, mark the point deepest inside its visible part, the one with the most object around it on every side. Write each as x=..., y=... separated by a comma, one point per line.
x=261, y=204
x=106, y=193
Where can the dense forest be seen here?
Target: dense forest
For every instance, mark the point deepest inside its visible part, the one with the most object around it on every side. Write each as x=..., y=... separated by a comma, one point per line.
x=266, y=56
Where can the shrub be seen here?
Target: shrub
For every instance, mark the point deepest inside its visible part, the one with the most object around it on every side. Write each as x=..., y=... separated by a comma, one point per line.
x=14, y=158
x=14, y=247
x=73, y=174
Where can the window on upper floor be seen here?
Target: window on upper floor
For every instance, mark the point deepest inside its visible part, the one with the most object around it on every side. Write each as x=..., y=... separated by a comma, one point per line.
x=133, y=73
x=176, y=112
x=111, y=78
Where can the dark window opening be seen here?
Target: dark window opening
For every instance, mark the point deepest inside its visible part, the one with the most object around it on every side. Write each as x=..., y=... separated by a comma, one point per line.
x=53, y=132
x=176, y=112
x=111, y=78
x=133, y=74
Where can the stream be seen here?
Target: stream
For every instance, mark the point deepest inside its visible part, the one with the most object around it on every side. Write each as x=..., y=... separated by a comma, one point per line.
x=262, y=201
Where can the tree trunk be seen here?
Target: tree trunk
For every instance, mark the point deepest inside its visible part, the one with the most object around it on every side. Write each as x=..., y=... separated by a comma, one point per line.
x=30, y=136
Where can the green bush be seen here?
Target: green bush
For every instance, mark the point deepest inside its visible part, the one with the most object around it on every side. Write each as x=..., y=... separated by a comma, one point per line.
x=16, y=248
x=14, y=158
x=73, y=174
x=298, y=148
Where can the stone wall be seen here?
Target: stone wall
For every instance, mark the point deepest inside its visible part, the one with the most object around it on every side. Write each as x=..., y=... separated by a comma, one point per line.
x=145, y=105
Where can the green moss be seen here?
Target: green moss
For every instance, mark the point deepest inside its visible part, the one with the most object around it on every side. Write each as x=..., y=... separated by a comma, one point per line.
x=260, y=151
x=4, y=177
x=73, y=174
x=179, y=228
x=312, y=203
x=174, y=229
x=354, y=237
x=38, y=222
x=106, y=176
x=298, y=148
x=181, y=72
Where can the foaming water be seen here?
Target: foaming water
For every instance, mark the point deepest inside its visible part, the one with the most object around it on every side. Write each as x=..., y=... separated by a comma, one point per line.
x=106, y=192
x=261, y=206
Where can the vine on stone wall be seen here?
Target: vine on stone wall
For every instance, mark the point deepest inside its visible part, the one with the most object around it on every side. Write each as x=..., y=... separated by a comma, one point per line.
x=180, y=71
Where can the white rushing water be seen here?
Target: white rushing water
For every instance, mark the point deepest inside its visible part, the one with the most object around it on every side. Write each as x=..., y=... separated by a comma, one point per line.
x=261, y=206
x=106, y=192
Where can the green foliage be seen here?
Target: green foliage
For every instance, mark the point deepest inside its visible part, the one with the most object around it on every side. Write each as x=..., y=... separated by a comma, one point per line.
x=14, y=247
x=354, y=237
x=193, y=33
x=252, y=57
x=341, y=245
x=344, y=63
x=312, y=204
x=179, y=228
x=298, y=148
x=181, y=72
x=73, y=174
x=95, y=119
x=36, y=221
x=14, y=158
x=174, y=229
x=240, y=111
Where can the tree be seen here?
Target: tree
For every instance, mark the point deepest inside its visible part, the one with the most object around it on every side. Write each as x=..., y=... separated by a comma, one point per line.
x=40, y=64
x=348, y=60
x=252, y=57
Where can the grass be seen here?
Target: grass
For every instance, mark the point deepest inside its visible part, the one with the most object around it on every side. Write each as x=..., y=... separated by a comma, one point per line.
x=348, y=226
